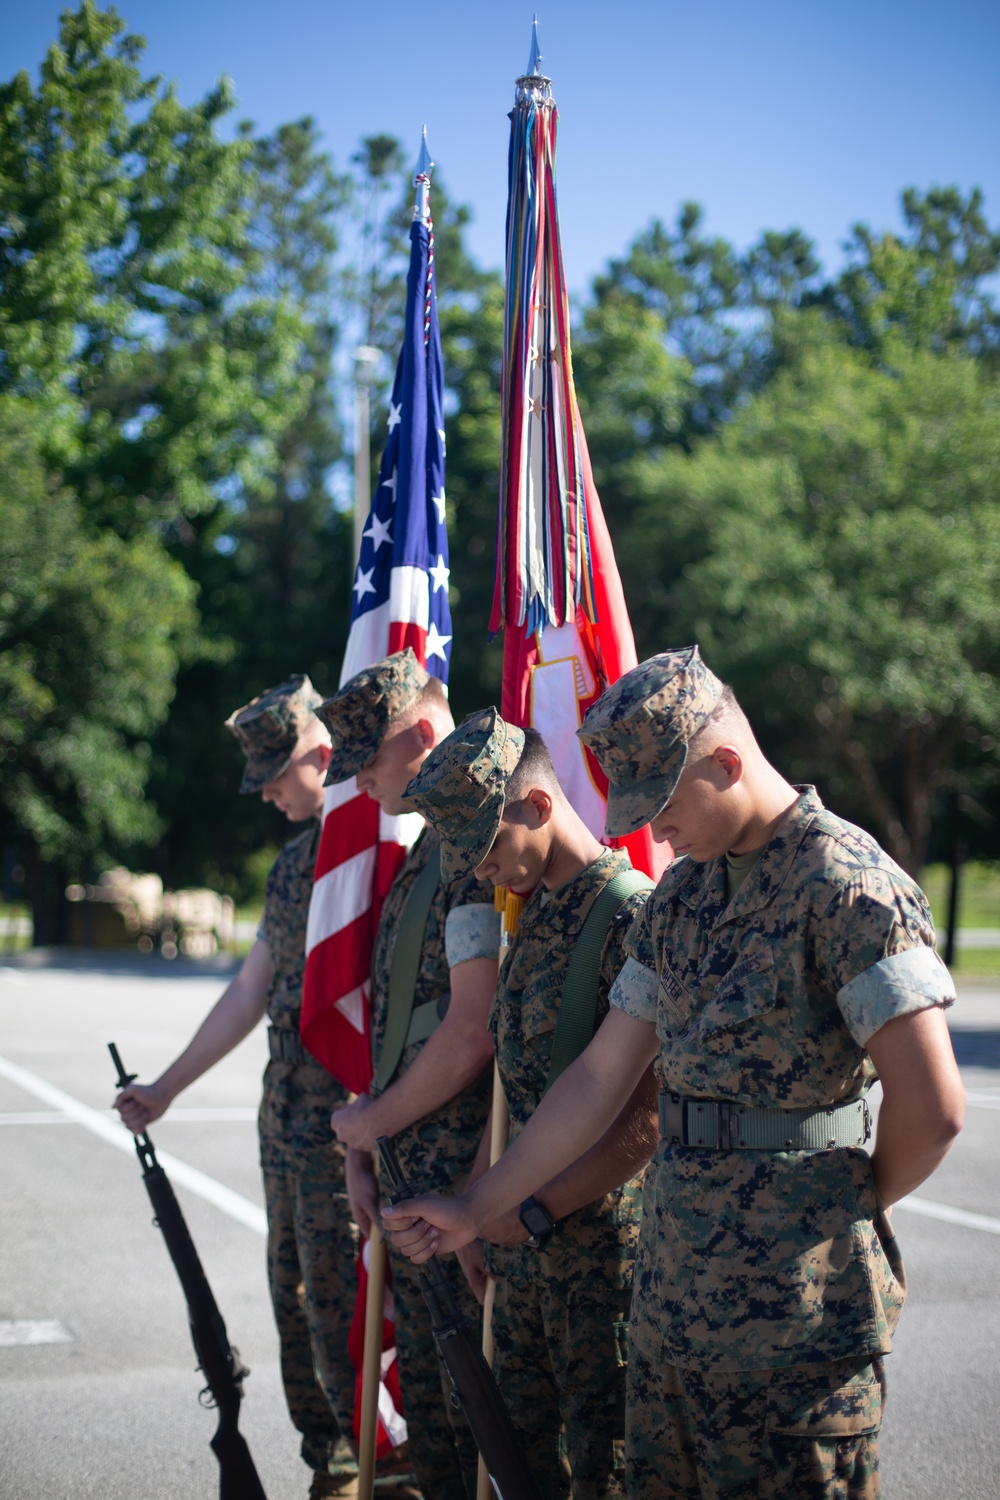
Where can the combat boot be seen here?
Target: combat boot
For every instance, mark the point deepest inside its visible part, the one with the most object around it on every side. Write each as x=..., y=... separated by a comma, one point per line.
x=394, y=1477
x=343, y=1484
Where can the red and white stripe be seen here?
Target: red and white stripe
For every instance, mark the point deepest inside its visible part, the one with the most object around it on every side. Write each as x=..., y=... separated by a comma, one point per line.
x=360, y=851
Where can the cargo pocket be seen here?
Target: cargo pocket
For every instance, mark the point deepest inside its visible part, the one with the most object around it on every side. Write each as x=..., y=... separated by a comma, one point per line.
x=820, y=1437
x=745, y=994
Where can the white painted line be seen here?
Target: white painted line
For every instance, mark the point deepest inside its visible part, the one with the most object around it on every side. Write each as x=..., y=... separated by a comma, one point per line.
x=194, y=1114
x=115, y=1134
x=223, y=1115
x=33, y=1331
x=948, y=1215
x=35, y=1117
x=13, y=976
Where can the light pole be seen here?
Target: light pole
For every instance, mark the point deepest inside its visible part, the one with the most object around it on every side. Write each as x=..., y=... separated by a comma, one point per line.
x=366, y=360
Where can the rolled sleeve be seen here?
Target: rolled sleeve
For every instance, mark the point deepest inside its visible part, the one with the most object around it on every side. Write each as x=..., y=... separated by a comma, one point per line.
x=634, y=991
x=914, y=979
x=471, y=932
x=876, y=949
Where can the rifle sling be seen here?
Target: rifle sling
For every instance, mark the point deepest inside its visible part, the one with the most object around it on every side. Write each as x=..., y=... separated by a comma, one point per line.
x=403, y=1025
x=578, y=1003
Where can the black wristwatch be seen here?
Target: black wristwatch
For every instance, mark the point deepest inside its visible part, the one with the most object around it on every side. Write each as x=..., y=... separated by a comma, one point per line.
x=538, y=1222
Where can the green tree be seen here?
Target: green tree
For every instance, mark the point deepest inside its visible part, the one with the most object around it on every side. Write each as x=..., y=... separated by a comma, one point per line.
x=273, y=557
x=123, y=283
x=164, y=307
x=92, y=627
x=836, y=552
x=380, y=166
x=635, y=397
x=472, y=340
x=931, y=286
x=713, y=306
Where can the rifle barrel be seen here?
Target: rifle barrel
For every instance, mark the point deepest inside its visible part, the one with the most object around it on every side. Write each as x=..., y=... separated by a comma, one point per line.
x=476, y=1390
x=218, y=1361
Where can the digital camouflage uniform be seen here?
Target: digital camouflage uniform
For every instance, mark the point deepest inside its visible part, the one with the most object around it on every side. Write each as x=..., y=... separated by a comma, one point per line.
x=560, y=1318
x=311, y=1241
x=437, y=1152
x=768, y=1282
x=311, y=1247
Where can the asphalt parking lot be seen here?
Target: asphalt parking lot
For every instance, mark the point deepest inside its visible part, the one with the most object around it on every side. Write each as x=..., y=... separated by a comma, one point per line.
x=98, y=1394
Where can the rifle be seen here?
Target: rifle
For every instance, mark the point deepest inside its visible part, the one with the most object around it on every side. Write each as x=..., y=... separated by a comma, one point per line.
x=218, y=1361
x=474, y=1389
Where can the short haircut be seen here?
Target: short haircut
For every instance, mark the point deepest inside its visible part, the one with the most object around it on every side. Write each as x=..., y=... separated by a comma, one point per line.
x=432, y=691
x=314, y=732
x=431, y=701
x=725, y=716
x=535, y=768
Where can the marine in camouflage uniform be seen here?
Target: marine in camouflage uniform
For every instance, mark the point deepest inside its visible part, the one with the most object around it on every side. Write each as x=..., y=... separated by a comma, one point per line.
x=780, y=961
x=437, y=1150
x=769, y=1280
x=311, y=1247
x=560, y=1318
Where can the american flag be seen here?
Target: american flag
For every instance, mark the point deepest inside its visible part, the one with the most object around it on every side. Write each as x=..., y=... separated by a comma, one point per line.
x=400, y=599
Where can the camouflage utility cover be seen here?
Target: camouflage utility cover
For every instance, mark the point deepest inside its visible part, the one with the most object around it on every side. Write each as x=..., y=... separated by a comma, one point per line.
x=640, y=728
x=461, y=788
x=360, y=713
x=750, y=1259
x=440, y=1147
x=269, y=726
x=298, y=1097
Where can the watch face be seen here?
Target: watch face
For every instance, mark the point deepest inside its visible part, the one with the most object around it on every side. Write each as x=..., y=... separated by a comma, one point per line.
x=537, y=1221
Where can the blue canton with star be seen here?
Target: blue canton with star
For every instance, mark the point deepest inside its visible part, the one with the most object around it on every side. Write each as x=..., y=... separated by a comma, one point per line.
x=406, y=523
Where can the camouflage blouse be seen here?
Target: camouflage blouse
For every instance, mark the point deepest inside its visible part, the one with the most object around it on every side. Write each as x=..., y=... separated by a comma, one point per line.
x=298, y=1098
x=758, y=1259
x=523, y=1020
x=438, y=1150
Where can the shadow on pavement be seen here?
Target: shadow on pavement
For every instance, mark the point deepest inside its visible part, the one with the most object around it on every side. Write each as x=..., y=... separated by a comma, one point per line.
x=120, y=961
x=976, y=1049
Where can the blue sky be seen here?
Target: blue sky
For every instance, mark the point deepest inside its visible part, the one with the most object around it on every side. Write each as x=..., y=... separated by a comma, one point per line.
x=772, y=115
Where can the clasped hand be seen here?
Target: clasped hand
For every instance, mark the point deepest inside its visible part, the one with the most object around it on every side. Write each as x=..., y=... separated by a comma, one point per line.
x=354, y=1124
x=426, y=1226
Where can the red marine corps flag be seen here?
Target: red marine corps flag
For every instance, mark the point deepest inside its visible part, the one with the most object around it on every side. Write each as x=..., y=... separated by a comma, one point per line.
x=557, y=595
x=400, y=599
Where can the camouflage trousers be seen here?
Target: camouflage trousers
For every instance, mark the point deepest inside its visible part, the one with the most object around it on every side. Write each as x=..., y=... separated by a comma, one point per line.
x=560, y=1333
x=805, y=1433
x=311, y=1245
x=445, y=1458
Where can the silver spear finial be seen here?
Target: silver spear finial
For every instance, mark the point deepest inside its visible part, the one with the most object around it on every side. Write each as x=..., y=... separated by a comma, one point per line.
x=534, y=68
x=422, y=178
x=533, y=81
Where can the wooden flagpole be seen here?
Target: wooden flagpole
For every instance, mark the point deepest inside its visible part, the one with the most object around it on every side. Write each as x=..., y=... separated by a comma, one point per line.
x=510, y=906
x=371, y=1368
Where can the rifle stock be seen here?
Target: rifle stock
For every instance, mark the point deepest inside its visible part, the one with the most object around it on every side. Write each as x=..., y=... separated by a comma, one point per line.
x=218, y=1361
x=475, y=1389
